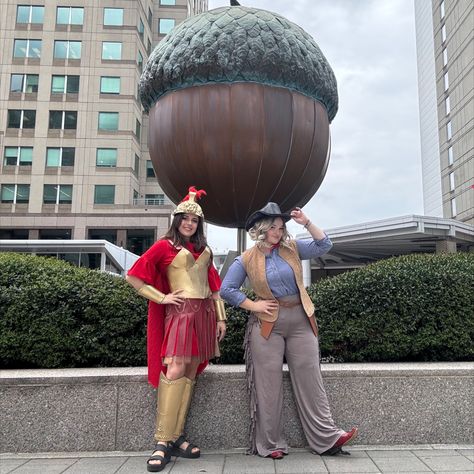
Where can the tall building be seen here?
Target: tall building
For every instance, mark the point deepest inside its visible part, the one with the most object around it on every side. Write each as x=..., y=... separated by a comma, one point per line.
x=73, y=135
x=445, y=46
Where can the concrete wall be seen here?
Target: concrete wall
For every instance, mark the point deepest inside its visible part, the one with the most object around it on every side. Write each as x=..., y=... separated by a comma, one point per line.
x=114, y=409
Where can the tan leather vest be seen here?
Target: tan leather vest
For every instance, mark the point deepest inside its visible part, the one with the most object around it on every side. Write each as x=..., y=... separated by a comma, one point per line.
x=190, y=275
x=253, y=261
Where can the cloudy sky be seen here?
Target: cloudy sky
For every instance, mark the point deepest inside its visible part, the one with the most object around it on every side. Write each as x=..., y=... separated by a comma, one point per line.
x=375, y=165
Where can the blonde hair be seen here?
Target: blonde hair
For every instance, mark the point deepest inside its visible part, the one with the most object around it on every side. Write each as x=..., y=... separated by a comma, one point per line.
x=258, y=232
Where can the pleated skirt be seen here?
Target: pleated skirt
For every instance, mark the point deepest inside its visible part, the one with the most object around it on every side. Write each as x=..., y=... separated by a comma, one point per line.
x=190, y=332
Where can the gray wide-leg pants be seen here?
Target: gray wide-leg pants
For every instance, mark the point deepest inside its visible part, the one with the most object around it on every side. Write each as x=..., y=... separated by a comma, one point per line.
x=293, y=338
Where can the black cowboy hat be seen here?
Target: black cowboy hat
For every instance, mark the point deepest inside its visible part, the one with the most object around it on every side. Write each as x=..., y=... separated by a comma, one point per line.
x=271, y=209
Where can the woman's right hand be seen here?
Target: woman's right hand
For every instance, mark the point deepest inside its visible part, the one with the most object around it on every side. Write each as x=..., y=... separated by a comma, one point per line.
x=173, y=298
x=264, y=306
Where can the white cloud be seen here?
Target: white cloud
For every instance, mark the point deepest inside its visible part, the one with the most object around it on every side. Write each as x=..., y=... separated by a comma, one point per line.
x=375, y=166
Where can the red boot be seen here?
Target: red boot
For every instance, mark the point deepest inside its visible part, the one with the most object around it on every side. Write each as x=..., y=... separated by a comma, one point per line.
x=346, y=437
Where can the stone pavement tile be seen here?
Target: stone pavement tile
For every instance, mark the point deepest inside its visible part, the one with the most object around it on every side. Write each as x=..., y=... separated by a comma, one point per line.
x=453, y=472
x=7, y=465
x=390, y=454
x=401, y=465
x=135, y=465
x=434, y=452
x=448, y=463
x=49, y=466
x=468, y=453
x=244, y=464
x=301, y=463
x=97, y=465
x=357, y=462
x=208, y=463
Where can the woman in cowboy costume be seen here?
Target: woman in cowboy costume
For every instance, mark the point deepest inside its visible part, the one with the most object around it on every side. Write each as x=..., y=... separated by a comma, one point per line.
x=282, y=324
x=186, y=319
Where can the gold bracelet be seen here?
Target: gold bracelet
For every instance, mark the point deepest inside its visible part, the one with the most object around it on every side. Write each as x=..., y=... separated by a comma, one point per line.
x=220, y=310
x=308, y=223
x=152, y=294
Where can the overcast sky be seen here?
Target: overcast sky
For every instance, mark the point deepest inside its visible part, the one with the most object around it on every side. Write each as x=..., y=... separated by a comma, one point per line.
x=375, y=166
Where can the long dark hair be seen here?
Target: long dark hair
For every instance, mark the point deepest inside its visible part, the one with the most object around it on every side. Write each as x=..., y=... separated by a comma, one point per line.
x=198, y=238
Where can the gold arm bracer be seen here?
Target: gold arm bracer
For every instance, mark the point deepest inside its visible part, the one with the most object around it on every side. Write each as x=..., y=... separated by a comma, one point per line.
x=220, y=310
x=151, y=293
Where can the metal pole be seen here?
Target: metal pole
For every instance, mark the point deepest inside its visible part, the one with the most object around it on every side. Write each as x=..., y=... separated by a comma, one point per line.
x=241, y=240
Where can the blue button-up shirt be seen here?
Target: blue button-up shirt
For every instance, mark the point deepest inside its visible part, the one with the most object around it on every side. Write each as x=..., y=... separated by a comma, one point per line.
x=280, y=276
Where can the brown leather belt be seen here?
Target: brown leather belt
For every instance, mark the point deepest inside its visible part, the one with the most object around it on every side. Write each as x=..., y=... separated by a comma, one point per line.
x=289, y=304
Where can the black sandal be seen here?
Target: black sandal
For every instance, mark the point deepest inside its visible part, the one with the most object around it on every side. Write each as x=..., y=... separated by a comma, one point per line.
x=164, y=448
x=177, y=450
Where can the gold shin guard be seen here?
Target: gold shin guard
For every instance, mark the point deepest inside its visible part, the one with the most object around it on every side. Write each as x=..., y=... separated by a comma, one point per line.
x=184, y=408
x=170, y=395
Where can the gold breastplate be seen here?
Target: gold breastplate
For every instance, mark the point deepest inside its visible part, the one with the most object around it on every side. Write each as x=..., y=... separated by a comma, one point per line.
x=185, y=273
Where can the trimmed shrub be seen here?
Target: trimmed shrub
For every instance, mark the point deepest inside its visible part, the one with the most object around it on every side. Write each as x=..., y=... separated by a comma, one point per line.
x=409, y=308
x=53, y=314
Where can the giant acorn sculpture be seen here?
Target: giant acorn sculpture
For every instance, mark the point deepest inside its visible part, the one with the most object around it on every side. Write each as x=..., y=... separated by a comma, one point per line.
x=239, y=102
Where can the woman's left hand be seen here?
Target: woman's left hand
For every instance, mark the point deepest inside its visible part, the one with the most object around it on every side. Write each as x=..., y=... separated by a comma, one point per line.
x=299, y=216
x=220, y=330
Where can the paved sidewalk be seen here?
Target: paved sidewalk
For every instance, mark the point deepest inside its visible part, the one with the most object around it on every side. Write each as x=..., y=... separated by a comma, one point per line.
x=363, y=459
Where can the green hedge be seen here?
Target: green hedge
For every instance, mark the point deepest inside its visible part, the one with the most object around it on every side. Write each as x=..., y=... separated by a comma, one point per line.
x=411, y=308
x=53, y=314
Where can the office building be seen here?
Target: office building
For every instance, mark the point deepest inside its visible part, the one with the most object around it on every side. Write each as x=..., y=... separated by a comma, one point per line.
x=445, y=46
x=73, y=135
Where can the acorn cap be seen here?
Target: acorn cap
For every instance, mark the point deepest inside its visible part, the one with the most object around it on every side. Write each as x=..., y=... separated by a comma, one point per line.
x=239, y=44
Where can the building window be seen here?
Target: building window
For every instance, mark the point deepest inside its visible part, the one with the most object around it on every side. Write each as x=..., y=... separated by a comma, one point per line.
x=447, y=103
x=24, y=83
x=104, y=194
x=29, y=14
x=138, y=128
x=109, y=85
x=165, y=25
x=446, y=81
x=450, y=156
x=108, y=120
x=113, y=16
x=443, y=33
x=27, y=48
x=140, y=60
x=15, y=193
x=106, y=157
x=451, y=181
x=67, y=49
x=141, y=28
x=70, y=16
x=21, y=119
x=445, y=57
x=57, y=157
x=62, y=119
x=65, y=85
x=449, y=130
x=18, y=156
x=111, y=51
x=148, y=48
x=149, y=17
x=167, y=2
x=453, y=207
x=441, y=9
x=154, y=199
x=57, y=194
x=150, y=172
x=136, y=164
